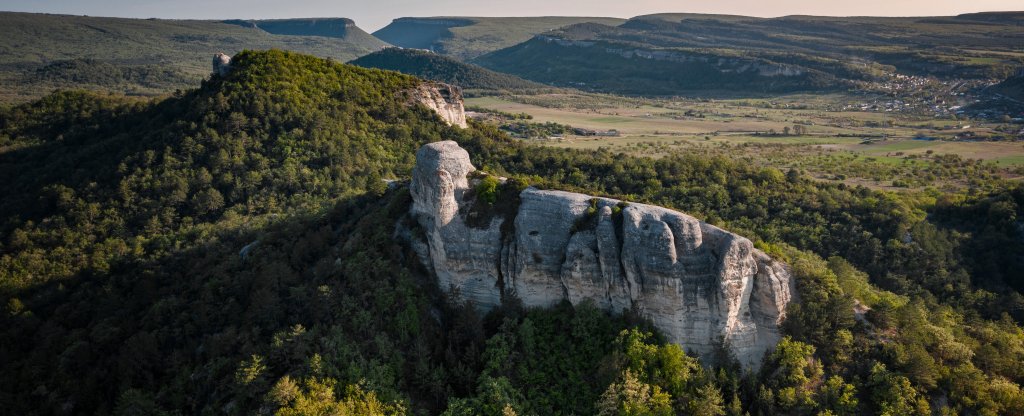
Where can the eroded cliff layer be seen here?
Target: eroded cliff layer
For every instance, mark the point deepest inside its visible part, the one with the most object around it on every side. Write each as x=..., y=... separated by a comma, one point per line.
x=697, y=283
x=444, y=99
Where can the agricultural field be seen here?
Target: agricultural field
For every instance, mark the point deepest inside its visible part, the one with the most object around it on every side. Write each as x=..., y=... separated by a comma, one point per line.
x=819, y=115
x=837, y=143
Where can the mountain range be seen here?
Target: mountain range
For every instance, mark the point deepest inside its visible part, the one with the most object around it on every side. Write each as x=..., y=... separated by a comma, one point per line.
x=41, y=52
x=468, y=37
x=660, y=54
x=670, y=53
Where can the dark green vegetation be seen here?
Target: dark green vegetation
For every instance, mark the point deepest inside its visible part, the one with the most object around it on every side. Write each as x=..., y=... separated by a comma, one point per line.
x=498, y=114
x=529, y=130
x=468, y=37
x=231, y=249
x=41, y=52
x=1012, y=87
x=674, y=53
x=104, y=75
x=434, y=67
x=1006, y=98
x=519, y=125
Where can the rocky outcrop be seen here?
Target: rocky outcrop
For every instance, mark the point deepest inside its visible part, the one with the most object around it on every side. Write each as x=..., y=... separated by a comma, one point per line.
x=221, y=64
x=463, y=258
x=444, y=99
x=697, y=283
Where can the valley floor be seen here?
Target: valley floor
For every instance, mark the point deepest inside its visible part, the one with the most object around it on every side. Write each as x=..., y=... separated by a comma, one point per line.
x=836, y=142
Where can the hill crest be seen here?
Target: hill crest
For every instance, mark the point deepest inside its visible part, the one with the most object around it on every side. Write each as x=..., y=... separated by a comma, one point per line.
x=468, y=37
x=681, y=53
x=334, y=27
x=436, y=67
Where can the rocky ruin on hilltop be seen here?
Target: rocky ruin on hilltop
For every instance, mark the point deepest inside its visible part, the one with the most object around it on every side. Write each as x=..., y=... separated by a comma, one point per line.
x=221, y=64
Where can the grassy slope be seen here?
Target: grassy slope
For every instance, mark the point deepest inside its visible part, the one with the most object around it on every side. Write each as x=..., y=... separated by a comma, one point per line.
x=469, y=37
x=182, y=47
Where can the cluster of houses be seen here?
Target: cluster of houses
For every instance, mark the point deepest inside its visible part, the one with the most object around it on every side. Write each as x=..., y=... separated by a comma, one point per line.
x=912, y=94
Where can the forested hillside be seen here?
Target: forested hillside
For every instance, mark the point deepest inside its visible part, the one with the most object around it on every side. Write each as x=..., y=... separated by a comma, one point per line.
x=665, y=54
x=1012, y=87
x=42, y=52
x=232, y=249
x=434, y=67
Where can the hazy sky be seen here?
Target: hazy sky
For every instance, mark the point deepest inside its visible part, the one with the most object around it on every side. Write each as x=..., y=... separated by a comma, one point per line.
x=374, y=14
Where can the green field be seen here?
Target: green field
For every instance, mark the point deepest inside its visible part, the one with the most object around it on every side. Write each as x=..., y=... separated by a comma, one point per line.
x=638, y=119
x=1017, y=160
x=837, y=145
x=823, y=115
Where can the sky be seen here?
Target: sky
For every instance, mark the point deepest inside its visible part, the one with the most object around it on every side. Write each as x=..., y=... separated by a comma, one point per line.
x=374, y=14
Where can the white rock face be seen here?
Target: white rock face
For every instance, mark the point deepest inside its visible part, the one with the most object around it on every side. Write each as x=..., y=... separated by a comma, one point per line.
x=221, y=64
x=697, y=283
x=463, y=258
x=444, y=99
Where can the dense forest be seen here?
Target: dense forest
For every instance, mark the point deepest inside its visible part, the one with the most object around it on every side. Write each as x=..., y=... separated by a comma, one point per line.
x=231, y=249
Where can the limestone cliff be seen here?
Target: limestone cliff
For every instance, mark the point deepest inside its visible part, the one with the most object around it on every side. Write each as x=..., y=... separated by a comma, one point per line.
x=444, y=99
x=698, y=283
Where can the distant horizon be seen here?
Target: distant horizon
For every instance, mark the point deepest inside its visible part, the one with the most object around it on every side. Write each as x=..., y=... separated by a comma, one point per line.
x=375, y=16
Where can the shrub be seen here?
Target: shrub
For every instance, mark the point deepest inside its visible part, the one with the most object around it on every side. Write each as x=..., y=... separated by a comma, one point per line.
x=487, y=190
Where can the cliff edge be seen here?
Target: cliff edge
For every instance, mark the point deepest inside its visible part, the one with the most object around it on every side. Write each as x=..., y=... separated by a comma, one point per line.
x=697, y=283
x=444, y=99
